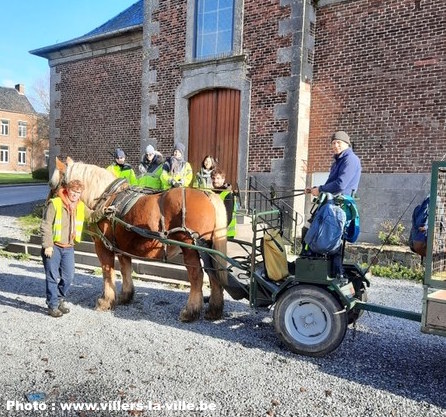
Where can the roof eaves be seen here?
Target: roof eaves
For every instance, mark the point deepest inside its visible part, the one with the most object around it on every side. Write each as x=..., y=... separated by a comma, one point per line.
x=82, y=39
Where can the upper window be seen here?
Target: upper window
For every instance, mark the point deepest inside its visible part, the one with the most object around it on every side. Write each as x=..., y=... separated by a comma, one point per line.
x=22, y=129
x=4, y=154
x=214, y=28
x=4, y=130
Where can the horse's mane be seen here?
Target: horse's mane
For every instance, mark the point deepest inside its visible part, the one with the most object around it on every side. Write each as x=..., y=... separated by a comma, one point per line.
x=94, y=178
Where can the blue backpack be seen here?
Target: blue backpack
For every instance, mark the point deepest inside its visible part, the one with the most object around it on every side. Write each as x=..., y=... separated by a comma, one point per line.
x=326, y=230
x=417, y=237
x=352, y=228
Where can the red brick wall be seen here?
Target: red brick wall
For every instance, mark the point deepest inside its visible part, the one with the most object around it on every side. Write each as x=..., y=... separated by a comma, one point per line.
x=171, y=42
x=261, y=42
x=101, y=107
x=34, y=147
x=379, y=74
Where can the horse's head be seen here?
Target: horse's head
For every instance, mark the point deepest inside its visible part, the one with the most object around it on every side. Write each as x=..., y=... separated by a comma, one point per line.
x=60, y=173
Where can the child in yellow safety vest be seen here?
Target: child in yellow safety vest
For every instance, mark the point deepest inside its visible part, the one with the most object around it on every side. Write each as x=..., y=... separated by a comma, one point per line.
x=121, y=169
x=151, y=168
x=225, y=191
x=177, y=172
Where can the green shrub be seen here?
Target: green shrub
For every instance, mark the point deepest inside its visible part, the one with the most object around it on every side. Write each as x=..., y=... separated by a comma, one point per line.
x=397, y=271
x=41, y=174
x=391, y=234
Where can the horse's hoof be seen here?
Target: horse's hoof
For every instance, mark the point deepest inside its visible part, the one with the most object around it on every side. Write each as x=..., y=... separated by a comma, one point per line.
x=104, y=305
x=213, y=313
x=125, y=298
x=187, y=316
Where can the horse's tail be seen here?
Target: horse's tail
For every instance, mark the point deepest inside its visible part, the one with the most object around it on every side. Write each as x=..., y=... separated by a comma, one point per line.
x=219, y=241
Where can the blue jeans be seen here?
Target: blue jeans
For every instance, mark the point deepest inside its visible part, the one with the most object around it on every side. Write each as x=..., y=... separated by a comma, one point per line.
x=59, y=273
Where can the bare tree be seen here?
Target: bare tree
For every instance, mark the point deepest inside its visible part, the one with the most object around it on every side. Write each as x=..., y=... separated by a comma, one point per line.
x=38, y=139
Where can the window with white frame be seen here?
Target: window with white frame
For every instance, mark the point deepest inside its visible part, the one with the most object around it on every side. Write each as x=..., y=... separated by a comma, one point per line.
x=22, y=156
x=4, y=154
x=214, y=28
x=22, y=129
x=4, y=127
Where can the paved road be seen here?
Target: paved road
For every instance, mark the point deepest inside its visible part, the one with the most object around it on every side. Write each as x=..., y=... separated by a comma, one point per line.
x=20, y=194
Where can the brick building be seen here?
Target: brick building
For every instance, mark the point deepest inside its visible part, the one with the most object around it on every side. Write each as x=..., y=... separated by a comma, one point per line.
x=262, y=85
x=21, y=150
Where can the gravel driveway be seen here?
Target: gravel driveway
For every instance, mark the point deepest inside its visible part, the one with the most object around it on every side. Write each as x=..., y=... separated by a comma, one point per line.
x=141, y=356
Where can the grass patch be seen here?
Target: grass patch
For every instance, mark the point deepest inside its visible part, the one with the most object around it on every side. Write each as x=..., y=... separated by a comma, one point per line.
x=14, y=178
x=16, y=256
x=397, y=271
x=31, y=223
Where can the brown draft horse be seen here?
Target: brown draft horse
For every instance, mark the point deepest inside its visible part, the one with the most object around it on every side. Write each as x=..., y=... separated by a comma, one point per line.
x=203, y=214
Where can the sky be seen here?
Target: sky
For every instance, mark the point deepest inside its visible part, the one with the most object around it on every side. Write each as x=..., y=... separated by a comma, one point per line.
x=33, y=24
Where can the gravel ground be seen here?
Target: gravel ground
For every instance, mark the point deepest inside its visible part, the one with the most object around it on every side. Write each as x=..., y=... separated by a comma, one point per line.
x=141, y=355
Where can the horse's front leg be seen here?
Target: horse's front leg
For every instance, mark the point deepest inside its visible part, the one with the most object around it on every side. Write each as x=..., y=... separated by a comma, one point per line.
x=127, y=290
x=194, y=304
x=107, y=260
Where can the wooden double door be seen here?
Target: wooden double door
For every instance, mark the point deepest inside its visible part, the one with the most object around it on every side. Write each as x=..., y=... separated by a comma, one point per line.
x=214, y=124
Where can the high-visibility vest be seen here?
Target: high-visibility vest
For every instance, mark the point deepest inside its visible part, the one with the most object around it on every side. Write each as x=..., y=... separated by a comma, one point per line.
x=126, y=173
x=79, y=220
x=231, y=226
x=151, y=180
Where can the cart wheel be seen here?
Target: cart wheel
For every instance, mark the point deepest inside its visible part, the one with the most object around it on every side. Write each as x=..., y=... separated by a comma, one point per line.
x=309, y=320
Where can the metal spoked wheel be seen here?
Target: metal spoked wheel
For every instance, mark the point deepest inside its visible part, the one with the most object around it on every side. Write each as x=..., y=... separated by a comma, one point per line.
x=309, y=320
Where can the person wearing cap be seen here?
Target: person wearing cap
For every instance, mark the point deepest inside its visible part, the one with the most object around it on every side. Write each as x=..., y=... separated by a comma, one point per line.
x=176, y=171
x=151, y=167
x=343, y=178
x=121, y=169
x=345, y=171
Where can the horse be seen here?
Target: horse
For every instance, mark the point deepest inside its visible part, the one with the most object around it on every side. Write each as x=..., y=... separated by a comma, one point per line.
x=183, y=214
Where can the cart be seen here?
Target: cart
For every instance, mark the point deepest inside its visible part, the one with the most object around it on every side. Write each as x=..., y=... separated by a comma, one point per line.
x=312, y=310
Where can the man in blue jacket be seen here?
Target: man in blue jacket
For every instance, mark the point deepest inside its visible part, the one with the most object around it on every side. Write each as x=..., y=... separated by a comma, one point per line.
x=344, y=177
x=346, y=169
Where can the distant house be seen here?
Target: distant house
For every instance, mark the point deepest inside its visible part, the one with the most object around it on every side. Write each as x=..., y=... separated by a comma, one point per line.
x=262, y=85
x=20, y=147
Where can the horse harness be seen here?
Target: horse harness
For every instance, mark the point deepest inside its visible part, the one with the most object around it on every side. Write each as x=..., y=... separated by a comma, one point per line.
x=122, y=201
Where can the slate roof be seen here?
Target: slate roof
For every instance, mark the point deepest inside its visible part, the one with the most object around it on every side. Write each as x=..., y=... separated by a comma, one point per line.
x=12, y=101
x=130, y=18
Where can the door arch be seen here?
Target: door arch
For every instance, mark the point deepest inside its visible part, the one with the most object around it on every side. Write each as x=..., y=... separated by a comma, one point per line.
x=214, y=125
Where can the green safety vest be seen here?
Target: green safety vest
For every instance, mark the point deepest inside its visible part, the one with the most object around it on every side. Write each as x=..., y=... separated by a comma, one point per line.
x=231, y=226
x=151, y=180
x=79, y=221
x=128, y=174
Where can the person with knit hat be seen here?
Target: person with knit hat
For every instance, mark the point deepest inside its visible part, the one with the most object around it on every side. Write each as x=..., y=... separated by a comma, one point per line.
x=345, y=171
x=343, y=178
x=150, y=169
x=177, y=172
x=121, y=169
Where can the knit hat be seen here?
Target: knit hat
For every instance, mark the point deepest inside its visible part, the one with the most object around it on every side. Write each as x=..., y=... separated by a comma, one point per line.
x=119, y=153
x=150, y=150
x=179, y=147
x=341, y=135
